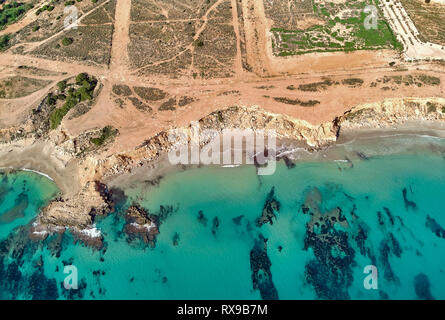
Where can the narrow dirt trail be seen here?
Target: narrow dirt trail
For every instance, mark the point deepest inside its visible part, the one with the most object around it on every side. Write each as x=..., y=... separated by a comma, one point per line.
x=10, y=59
x=238, y=59
x=120, y=63
x=256, y=42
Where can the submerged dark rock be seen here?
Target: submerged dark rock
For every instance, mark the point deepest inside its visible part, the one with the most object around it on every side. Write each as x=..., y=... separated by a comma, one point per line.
x=29, y=283
x=385, y=252
x=202, y=218
x=175, y=239
x=422, y=287
x=390, y=216
x=435, y=227
x=271, y=207
x=396, y=249
x=362, y=156
x=237, y=220
x=215, y=225
x=140, y=224
x=408, y=203
x=330, y=273
x=261, y=275
x=288, y=162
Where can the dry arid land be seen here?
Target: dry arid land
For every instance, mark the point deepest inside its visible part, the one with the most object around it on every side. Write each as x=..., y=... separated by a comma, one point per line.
x=87, y=101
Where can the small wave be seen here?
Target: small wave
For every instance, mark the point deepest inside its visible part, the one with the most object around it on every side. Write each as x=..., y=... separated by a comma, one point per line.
x=39, y=173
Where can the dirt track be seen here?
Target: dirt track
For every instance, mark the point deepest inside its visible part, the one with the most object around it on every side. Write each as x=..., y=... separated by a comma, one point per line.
x=246, y=88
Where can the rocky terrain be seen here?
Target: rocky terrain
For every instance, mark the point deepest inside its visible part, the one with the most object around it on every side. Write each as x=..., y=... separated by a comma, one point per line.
x=77, y=207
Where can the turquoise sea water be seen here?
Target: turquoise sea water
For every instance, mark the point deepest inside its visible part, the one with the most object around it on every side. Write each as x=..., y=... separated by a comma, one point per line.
x=332, y=219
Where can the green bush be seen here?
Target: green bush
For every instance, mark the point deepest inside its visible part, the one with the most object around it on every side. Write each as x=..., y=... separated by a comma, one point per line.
x=4, y=41
x=67, y=41
x=61, y=85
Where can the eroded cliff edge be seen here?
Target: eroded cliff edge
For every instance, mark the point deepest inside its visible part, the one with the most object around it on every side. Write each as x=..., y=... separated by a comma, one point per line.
x=79, y=173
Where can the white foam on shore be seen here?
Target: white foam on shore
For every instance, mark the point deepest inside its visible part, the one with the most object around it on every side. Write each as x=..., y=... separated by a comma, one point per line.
x=92, y=232
x=38, y=172
x=41, y=233
x=147, y=226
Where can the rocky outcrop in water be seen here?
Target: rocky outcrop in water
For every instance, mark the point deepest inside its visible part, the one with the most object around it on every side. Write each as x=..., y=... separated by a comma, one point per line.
x=261, y=275
x=271, y=207
x=140, y=224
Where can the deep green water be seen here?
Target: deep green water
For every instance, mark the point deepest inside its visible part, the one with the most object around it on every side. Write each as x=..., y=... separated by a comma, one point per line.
x=387, y=211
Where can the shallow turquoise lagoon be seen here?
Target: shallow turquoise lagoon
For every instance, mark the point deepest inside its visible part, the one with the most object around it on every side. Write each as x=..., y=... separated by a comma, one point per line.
x=331, y=220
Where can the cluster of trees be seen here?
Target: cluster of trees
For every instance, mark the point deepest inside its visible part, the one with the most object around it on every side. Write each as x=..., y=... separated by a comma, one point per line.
x=84, y=91
x=46, y=7
x=11, y=12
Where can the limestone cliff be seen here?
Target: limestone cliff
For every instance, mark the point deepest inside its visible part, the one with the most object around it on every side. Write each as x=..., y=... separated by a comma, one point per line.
x=77, y=209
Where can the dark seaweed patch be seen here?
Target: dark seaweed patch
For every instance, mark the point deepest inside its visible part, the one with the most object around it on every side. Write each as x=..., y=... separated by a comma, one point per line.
x=408, y=203
x=385, y=252
x=380, y=218
x=237, y=220
x=74, y=294
x=288, y=162
x=175, y=239
x=18, y=249
x=422, y=287
x=270, y=208
x=202, y=218
x=396, y=249
x=261, y=275
x=330, y=274
x=215, y=225
x=388, y=213
x=435, y=227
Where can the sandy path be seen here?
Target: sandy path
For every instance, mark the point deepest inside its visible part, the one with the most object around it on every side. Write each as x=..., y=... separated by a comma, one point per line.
x=119, y=63
x=238, y=59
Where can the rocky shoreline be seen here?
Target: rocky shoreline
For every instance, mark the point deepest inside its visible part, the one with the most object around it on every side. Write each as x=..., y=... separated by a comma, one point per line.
x=81, y=175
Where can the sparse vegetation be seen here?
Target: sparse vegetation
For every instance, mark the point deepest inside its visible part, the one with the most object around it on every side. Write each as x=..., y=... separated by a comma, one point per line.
x=150, y=94
x=168, y=105
x=122, y=90
x=81, y=91
x=107, y=133
x=352, y=82
x=316, y=86
x=309, y=103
